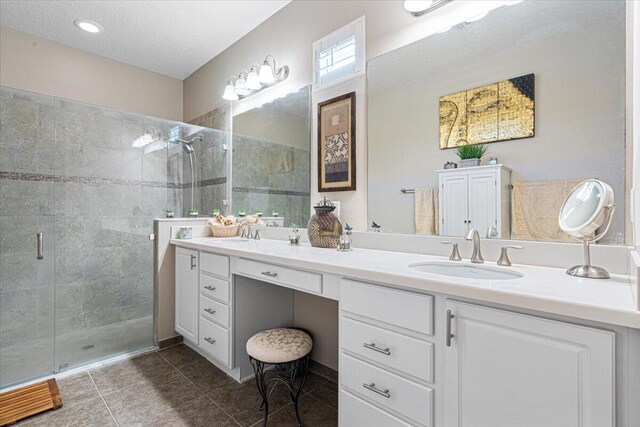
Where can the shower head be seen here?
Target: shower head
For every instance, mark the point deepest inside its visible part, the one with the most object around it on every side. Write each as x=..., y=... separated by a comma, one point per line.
x=187, y=145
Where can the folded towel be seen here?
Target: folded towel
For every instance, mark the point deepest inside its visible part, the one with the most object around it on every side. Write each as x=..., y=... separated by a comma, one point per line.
x=535, y=209
x=427, y=211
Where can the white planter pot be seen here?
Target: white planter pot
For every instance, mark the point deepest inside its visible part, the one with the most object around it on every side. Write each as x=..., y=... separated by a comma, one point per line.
x=467, y=163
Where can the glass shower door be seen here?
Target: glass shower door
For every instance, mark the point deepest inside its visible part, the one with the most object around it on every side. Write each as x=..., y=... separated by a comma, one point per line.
x=27, y=235
x=104, y=205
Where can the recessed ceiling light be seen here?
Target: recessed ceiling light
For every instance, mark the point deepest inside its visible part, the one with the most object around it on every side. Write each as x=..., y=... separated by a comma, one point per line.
x=88, y=26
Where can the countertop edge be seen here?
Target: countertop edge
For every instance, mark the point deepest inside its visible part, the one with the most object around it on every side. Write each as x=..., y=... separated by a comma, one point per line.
x=599, y=314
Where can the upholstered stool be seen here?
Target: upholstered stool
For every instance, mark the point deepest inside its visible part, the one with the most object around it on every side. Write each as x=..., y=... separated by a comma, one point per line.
x=287, y=349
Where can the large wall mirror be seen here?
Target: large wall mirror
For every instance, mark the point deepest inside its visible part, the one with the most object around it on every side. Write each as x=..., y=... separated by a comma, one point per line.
x=541, y=83
x=271, y=160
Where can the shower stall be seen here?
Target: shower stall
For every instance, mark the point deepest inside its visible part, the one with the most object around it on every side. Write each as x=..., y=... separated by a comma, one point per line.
x=80, y=186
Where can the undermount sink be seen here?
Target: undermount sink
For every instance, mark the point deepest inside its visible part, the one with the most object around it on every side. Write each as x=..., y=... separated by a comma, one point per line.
x=468, y=271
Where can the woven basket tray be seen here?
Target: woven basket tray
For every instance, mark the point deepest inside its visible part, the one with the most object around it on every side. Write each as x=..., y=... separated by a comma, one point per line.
x=228, y=231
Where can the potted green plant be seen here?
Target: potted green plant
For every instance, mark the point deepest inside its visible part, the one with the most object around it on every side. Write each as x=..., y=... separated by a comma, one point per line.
x=470, y=155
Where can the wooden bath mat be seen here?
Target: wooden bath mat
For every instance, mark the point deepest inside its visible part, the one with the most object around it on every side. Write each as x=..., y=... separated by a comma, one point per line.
x=27, y=401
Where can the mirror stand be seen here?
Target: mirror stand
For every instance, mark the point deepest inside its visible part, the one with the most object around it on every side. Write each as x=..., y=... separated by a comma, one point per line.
x=587, y=270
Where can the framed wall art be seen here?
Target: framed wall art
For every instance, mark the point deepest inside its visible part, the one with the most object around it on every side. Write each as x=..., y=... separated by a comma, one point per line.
x=496, y=112
x=337, y=144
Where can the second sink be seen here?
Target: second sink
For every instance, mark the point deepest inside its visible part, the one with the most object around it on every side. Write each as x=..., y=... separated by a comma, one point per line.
x=466, y=271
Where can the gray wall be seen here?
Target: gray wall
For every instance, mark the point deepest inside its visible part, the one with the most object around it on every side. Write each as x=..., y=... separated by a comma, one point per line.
x=577, y=52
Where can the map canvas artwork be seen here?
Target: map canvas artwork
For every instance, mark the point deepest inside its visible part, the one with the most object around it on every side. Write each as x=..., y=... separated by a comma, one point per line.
x=336, y=144
x=496, y=112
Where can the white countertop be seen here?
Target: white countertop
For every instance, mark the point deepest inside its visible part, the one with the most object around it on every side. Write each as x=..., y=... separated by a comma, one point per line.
x=544, y=289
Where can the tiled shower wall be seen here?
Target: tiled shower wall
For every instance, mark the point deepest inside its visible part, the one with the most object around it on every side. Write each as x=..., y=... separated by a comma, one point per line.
x=70, y=170
x=212, y=158
x=269, y=176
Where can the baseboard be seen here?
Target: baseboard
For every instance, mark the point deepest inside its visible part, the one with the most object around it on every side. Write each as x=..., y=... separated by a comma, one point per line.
x=324, y=371
x=168, y=342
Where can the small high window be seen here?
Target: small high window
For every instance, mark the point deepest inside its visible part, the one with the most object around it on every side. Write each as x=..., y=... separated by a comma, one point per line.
x=340, y=55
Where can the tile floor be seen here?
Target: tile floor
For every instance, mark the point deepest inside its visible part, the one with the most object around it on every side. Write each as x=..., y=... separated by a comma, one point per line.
x=178, y=387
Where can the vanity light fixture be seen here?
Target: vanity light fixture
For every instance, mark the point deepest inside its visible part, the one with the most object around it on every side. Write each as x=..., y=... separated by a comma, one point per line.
x=253, y=82
x=420, y=7
x=257, y=79
x=88, y=26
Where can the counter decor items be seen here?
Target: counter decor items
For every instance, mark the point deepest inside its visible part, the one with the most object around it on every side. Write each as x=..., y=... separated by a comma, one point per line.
x=168, y=213
x=294, y=237
x=499, y=111
x=345, y=239
x=450, y=165
x=324, y=228
x=193, y=213
x=223, y=226
x=470, y=155
x=337, y=144
x=493, y=160
x=376, y=228
x=241, y=213
x=184, y=233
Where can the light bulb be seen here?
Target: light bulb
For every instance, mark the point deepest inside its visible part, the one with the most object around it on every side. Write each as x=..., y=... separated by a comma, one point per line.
x=415, y=6
x=88, y=26
x=241, y=86
x=229, y=93
x=266, y=73
x=253, y=82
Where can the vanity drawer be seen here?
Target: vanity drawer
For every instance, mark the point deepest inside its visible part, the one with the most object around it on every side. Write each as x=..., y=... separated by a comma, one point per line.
x=215, y=288
x=391, y=391
x=214, y=340
x=400, y=352
x=214, y=264
x=213, y=310
x=285, y=276
x=405, y=309
x=356, y=412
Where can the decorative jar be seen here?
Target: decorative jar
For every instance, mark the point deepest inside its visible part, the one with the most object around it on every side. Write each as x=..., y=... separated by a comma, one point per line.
x=324, y=228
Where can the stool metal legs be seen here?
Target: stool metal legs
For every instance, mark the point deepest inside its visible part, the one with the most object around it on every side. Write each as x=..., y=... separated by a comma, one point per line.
x=284, y=373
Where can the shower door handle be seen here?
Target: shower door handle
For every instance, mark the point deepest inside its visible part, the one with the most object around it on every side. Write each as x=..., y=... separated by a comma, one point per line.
x=40, y=249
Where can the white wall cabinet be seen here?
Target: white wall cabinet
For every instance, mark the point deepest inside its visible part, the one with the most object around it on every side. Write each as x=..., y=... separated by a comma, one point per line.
x=504, y=369
x=187, y=293
x=476, y=197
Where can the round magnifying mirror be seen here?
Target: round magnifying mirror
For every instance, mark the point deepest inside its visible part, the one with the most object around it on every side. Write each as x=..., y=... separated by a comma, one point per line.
x=588, y=207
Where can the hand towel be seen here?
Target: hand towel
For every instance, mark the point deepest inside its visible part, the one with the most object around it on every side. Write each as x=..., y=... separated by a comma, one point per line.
x=427, y=211
x=535, y=209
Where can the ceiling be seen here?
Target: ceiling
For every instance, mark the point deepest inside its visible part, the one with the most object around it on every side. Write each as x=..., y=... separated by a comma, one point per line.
x=173, y=38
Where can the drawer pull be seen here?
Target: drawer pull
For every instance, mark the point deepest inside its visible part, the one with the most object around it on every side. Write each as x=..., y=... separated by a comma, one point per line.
x=210, y=340
x=193, y=262
x=210, y=310
x=374, y=389
x=210, y=288
x=270, y=274
x=373, y=347
x=448, y=333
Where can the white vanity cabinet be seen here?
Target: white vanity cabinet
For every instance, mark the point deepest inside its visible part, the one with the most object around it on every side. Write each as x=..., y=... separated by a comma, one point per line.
x=187, y=293
x=475, y=197
x=504, y=369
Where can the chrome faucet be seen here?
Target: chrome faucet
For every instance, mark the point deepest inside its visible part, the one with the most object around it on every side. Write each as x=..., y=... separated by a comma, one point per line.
x=476, y=256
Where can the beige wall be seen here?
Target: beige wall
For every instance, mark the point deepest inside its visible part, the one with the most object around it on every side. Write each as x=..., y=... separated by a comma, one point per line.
x=288, y=36
x=38, y=65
